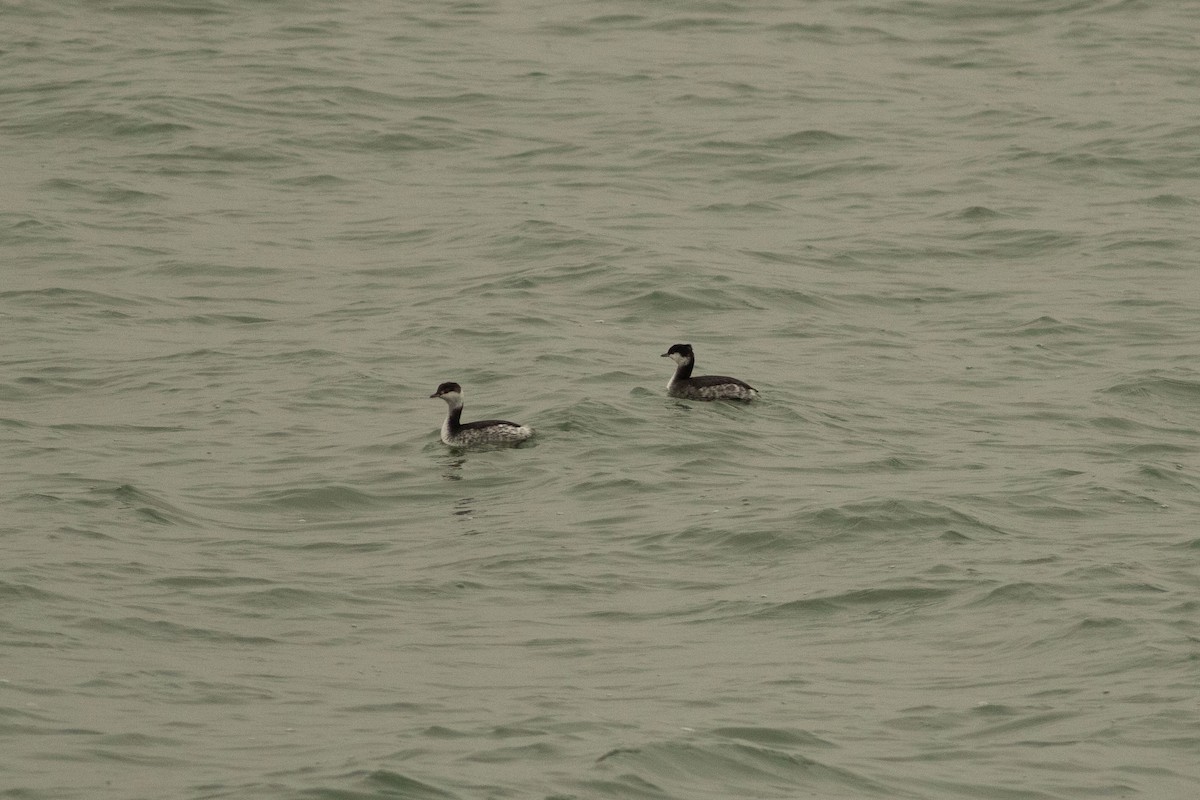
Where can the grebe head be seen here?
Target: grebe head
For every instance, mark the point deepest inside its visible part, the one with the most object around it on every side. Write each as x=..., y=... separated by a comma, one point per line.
x=680, y=353
x=449, y=391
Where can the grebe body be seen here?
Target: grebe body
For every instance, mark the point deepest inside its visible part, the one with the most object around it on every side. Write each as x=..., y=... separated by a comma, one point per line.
x=457, y=433
x=702, y=387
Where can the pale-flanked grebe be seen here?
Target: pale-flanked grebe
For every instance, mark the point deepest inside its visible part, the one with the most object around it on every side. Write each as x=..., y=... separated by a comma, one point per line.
x=456, y=433
x=705, y=387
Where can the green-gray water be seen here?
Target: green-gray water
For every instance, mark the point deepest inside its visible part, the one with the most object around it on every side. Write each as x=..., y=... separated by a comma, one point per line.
x=950, y=553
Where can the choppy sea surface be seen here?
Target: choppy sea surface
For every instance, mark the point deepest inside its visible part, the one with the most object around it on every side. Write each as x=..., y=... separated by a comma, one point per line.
x=953, y=551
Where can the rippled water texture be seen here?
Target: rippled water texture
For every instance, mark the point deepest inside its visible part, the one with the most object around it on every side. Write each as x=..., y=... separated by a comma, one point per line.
x=951, y=551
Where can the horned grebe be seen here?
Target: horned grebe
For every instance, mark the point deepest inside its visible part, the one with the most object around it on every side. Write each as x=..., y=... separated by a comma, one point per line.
x=705, y=387
x=456, y=433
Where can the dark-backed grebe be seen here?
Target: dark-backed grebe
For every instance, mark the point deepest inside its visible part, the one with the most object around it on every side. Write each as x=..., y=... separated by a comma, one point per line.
x=705, y=387
x=456, y=433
